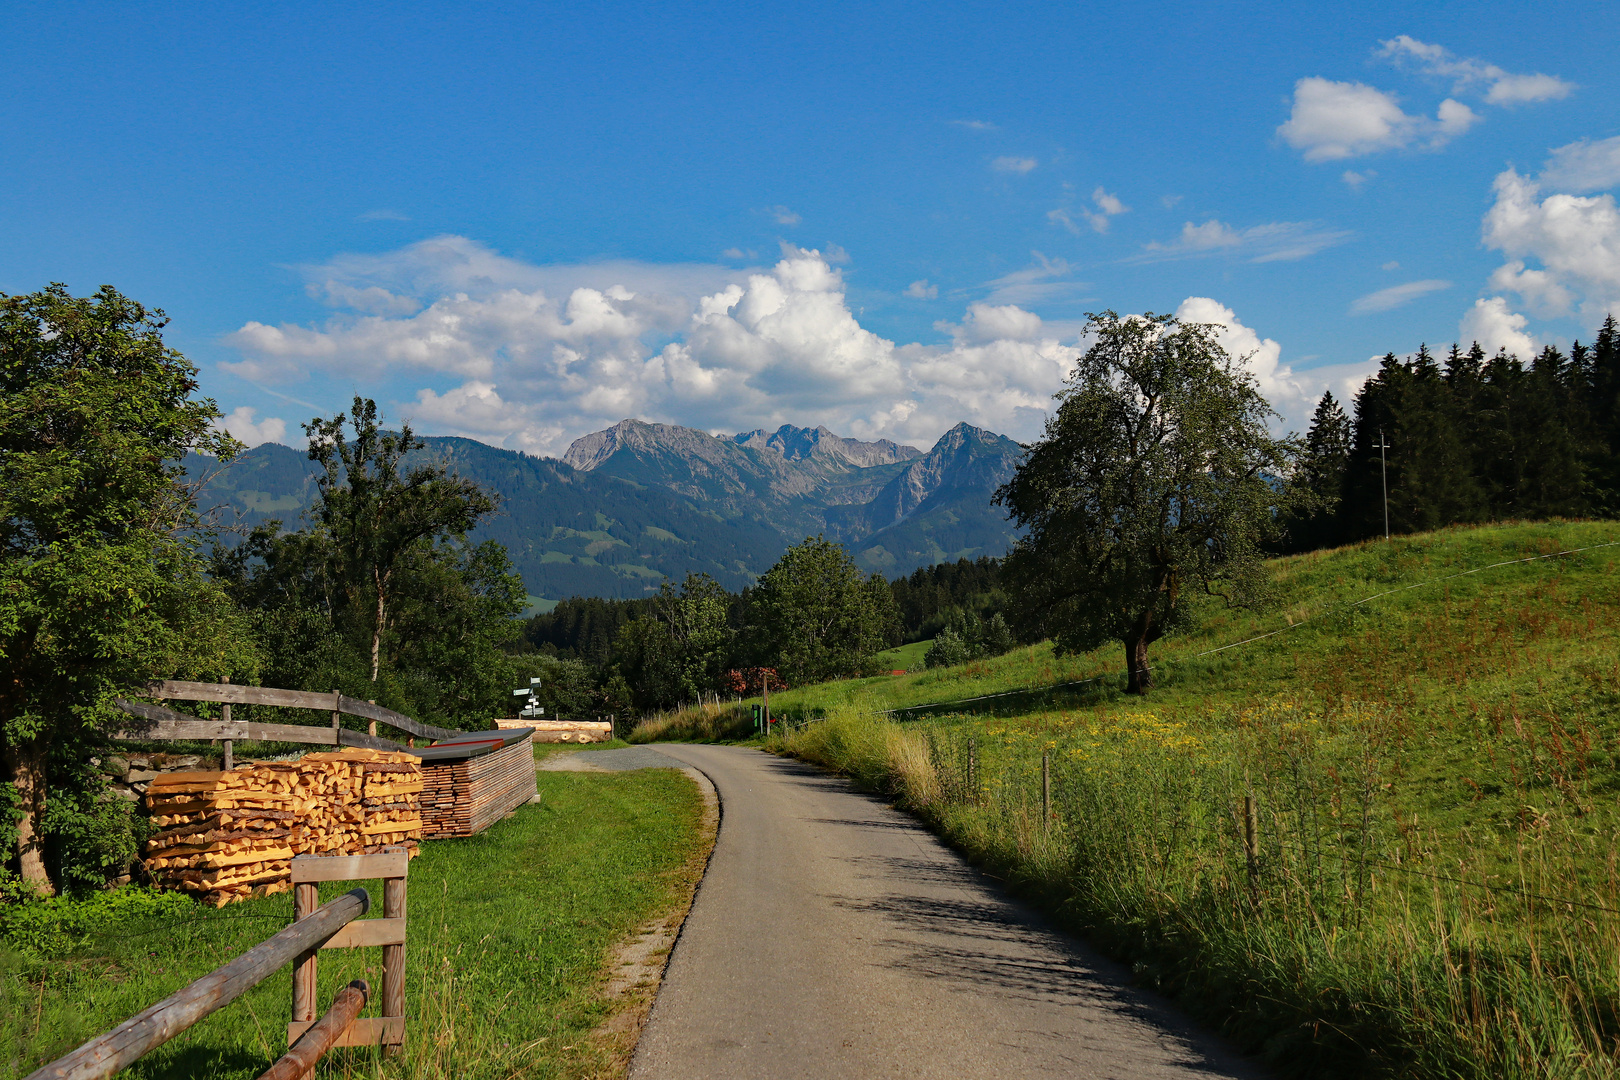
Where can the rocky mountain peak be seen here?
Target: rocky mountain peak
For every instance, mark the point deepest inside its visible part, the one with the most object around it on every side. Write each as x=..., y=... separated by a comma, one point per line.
x=798, y=444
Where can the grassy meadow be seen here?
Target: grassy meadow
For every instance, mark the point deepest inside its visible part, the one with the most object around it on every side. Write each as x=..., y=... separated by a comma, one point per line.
x=509, y=934
x=1379, y=843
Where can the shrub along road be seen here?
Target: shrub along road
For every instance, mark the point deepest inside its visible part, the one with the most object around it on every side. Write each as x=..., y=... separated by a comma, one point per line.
x=834, y=937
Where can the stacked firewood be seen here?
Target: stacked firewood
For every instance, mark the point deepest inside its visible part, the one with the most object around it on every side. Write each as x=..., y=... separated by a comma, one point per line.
x=226, y=836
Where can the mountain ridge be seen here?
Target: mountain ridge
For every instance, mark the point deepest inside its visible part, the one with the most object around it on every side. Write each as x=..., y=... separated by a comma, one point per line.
x=659, y=500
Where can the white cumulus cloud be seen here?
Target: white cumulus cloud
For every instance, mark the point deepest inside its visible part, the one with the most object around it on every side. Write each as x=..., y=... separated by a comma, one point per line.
x=1574, y=238
x=242, y=426
x=532, y=357
x=1494, y=326
x=1583, y=166
x=921, y=290
x=1261, y=356
x=1331, y=121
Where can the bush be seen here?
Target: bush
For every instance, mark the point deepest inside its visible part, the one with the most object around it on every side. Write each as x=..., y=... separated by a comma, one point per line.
x=967, y=638
x=49, y=928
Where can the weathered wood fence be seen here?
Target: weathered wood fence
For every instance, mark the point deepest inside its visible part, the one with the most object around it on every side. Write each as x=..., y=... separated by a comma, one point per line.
x=163, y=723
x=331, y=925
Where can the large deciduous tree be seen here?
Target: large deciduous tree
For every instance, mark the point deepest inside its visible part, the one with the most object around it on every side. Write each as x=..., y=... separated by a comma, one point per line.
x=814, y=615
x=384, y=597
x=1156, y=479
x=373, y=511
x=100, y=590
x=679, y=649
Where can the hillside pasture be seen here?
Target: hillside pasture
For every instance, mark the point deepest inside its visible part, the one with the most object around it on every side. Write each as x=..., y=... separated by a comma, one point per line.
x=1380, y=841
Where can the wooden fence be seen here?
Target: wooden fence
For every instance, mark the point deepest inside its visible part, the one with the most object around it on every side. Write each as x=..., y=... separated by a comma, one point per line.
x=163, y=723
x=330, y=926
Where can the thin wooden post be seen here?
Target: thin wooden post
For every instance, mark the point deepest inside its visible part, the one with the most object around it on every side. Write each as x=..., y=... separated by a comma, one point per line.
x=337, y=717
x=1251, y=846
x=225, y=718
x=1046, y=789
x=125, y=1043
x=306, y=897
x=393, y=999
x=301, y=1056
x=371, y=725
x=973, y=770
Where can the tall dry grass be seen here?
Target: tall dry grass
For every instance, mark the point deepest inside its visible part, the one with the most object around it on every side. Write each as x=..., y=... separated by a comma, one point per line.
x=711, y=721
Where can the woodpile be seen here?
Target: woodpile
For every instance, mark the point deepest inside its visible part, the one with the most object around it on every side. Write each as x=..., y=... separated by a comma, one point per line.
x=465, y=796
x=562, y=731
x=226, y=836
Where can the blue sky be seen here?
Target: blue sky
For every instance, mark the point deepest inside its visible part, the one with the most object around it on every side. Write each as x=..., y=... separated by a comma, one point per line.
x=522, y=223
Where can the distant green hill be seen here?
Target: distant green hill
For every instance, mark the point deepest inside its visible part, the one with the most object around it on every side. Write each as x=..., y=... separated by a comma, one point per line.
x=649, y=501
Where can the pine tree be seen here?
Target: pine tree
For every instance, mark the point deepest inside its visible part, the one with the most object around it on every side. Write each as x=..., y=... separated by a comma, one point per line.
x=1320, y=479
x=1604, y=460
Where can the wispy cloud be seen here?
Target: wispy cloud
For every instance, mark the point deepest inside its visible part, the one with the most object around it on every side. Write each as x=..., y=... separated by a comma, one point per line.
x=1272, y=242
x=1018, y=165
x=976, y=125
x=1469, y=75
x=783, y=216
x=1044, y=280
x=1395, y=296
x=921, y=290
x=1107, y=206
x=382, y=215
x=1583, y=166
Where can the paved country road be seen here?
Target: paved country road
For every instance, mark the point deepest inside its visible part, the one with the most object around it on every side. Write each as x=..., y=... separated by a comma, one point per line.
x=835, y=937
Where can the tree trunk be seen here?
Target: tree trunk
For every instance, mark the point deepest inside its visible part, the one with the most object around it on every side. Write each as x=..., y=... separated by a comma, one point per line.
x=28, y=774
x=1140, y=676
x=376, y=634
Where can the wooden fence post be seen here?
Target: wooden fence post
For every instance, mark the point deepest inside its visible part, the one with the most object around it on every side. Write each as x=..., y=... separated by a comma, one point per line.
x=1046, y=789
x=306, y=898
x=103, y=1056
x=973, y=770
x=1251, y=846
x=225, y=718
x=393, y=999
x=392, y=865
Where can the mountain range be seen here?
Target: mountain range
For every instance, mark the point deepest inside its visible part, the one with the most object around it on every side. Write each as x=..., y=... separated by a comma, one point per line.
x=630, y=505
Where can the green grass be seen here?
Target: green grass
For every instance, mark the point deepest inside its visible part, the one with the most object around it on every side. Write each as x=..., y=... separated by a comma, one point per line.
x=908, y=657
x=509, y=931
x=1435, y=888
x=1313, y=590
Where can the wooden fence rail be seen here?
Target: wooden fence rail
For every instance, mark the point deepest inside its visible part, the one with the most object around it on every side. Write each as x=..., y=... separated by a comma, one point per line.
x=120, y=1047
x=232, y=694
x=301, y=1056
x=168, y=724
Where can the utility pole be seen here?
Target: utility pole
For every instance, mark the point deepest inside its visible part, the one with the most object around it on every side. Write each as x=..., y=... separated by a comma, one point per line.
x=1383, y=472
